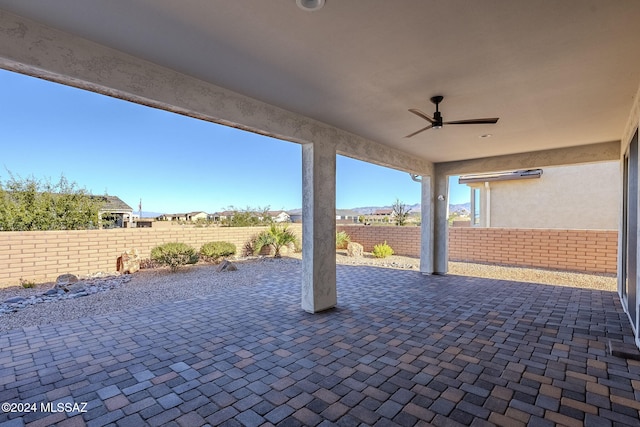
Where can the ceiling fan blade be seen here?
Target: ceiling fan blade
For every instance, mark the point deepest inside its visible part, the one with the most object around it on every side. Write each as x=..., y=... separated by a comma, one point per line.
x=473, y=121
x=417, y=132
x=421, y=115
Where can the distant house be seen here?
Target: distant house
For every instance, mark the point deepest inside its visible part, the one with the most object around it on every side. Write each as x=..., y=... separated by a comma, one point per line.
x=189, y=216
x=295, y=216
x=117, y=212
x=384, y=215
x=343, y=216
x=279, y=216
x=346, y=216
x=198, y=215
x=275, y=216
x=221, y=216
x=582, y=196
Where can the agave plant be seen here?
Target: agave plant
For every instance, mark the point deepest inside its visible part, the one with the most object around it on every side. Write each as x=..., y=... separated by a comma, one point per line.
x=276, y=236
x=342, y=240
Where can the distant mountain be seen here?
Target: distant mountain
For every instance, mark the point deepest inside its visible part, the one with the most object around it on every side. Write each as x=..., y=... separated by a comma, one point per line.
x=461, y=207
x=365, y=210
x=370, y=209
x=146, y=214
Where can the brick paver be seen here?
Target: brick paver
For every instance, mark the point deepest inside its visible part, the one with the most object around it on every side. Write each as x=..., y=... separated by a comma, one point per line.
x=400, y=349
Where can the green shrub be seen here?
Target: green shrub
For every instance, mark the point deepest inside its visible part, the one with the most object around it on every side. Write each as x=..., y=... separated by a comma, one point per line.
x=27, y=284
x=297, y=246
x=382, y=250
x=174, y=255
x=215, y=250
x=342, y=240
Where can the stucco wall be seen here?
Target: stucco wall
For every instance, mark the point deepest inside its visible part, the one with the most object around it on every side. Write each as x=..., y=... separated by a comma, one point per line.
x=567, y=197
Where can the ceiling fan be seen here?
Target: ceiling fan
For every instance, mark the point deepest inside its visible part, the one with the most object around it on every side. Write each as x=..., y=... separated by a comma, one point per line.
x=436, y=121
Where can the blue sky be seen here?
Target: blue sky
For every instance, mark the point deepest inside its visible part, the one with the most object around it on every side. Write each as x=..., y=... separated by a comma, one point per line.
x=173, y=163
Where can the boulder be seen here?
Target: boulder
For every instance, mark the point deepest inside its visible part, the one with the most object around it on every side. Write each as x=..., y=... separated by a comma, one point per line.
x=75, y=288
x=287, y=249
x=226, y=266
x=128, y=262
x=355, y=250
x=65, y=280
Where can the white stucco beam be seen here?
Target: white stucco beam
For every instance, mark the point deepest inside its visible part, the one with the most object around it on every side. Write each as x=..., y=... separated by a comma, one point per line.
x=633, y=122
x=381, y=155
x=606, y=151
x=34, y=49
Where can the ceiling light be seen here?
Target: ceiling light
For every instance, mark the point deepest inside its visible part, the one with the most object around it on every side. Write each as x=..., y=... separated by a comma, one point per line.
x=486, y=135
x=310, y=5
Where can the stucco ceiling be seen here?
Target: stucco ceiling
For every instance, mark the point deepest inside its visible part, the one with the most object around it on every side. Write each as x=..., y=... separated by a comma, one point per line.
x=557, y=73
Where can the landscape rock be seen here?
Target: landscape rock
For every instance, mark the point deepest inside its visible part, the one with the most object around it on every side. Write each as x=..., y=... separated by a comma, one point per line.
x=67, y=287
x=74, y=288
x=284, y=250
x=128, y=262
x=226, y=266
x=65, y=280
x=355, y=250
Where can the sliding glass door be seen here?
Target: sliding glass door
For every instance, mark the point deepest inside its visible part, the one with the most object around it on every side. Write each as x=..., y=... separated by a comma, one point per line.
x=629, y=254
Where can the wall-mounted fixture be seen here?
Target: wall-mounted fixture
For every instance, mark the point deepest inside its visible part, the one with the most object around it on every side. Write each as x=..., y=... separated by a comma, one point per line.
x=310, y=5
x=441, y=197
x=501, y=176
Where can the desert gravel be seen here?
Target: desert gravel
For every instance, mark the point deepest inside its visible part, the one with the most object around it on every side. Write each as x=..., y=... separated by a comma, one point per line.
x=150, y=287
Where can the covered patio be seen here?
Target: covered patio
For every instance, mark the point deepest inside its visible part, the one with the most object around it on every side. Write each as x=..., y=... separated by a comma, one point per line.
x=401, y=349
x=369, y=346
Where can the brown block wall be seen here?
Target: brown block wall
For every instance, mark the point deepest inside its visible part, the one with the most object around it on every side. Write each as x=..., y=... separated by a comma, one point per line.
x=593, y=251
x=403, y=240
x=42, y=256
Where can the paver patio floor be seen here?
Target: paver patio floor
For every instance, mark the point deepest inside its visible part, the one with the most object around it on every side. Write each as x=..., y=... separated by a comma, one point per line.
x=400, y=349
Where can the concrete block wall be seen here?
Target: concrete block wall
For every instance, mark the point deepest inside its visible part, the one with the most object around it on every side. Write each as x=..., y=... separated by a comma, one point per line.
x=403, y=240
x=593, y=251
x=41, y=256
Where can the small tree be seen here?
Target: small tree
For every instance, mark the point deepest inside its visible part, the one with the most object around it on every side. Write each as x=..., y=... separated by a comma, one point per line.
x=276, y=236
x=249, y=217
x=31, y=204
x=400, y=212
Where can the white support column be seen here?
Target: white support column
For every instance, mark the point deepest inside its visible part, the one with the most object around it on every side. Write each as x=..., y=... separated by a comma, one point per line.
x=426, y=227
x=441, y=225
x=318, y=227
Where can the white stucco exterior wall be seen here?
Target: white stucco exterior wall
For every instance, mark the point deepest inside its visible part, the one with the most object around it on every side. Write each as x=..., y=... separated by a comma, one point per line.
x=585, y=196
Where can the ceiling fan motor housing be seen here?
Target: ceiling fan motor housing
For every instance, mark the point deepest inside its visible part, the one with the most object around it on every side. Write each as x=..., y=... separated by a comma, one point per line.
x=437, y=119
